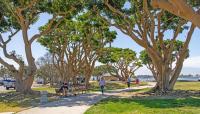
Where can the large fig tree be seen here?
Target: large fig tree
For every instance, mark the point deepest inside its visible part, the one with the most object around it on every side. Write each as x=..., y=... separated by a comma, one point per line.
x=146, y=60
x=146, y=27
x=77, y=44
x=17, y=17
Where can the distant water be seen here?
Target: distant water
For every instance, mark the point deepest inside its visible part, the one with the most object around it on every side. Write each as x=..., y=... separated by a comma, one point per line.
x=179, y=79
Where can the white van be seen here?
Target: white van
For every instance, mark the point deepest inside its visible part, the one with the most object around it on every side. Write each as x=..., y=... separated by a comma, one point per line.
x=9, y=84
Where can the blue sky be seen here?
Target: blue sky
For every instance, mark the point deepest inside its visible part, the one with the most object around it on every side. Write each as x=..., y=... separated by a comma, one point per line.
x=191, y=65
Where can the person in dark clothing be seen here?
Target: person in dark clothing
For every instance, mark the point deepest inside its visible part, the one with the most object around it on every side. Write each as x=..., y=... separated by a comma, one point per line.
x=102, y=84
x=129, y=82
x=65, y=85
x=64, y=88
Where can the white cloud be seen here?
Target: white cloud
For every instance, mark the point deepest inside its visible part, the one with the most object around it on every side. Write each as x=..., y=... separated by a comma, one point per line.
x=192, y=62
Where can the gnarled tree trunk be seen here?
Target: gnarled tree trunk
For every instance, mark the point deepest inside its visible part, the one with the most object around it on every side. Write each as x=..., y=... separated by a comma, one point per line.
x=24, y=86
x=166, y=81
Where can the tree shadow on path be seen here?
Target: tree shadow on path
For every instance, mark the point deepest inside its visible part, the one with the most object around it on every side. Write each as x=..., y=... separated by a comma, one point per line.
x=84, y=99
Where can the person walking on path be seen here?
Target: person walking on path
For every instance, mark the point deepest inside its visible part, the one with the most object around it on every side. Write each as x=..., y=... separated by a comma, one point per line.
x=129, y=82
x=102, y=83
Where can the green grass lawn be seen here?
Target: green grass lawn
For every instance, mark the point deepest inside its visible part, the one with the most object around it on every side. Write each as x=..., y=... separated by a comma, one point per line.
x=187, y=86
x=142, y=105
x=94, y=86
x=45, y=88
x=14, y=102
x=146, y=106
x=11, y=101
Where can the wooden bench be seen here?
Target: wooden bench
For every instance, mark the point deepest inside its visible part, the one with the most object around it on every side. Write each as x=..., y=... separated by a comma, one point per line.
x=59, y=92
x=83, y=88
x=80, y=88
x=74, y=90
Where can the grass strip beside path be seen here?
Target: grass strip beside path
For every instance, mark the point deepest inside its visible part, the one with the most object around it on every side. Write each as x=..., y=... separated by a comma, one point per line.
x=146, y=106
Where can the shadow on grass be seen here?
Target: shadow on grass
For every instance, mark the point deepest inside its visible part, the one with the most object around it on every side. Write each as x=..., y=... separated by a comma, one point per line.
x=171, y=94
x=16, y=99
x=156, y=103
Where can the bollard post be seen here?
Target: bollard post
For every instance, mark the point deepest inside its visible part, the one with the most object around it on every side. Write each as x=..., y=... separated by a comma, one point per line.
x=44, y=97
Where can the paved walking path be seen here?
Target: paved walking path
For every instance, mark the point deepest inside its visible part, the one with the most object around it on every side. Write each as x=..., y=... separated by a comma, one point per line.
x=7, y=113
x=75, y=105
x=69, y=105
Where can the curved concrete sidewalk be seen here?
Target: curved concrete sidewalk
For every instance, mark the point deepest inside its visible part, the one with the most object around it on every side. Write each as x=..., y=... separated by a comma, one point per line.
x=69, y=105
x=76, y=105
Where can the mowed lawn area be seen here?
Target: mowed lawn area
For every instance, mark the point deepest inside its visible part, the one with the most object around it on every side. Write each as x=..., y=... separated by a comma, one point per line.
x=112, y=85
x=153, y=104
x=187, y=86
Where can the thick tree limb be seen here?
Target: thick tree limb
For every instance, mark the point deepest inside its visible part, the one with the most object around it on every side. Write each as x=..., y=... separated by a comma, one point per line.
x=182, y=55
x=127, y=30
x=48, y=29
x=179, y=8
x=10, y=67
x=3, y=45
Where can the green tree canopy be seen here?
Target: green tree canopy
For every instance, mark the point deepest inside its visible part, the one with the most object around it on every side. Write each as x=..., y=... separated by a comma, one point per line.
x=83, y=38
x=124, y=60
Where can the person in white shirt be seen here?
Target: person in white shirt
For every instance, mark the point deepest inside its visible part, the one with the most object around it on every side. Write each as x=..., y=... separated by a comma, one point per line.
x=102, y=83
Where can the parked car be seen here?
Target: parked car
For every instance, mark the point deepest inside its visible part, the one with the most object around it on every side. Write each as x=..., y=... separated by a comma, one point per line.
x=9, y=84
x=40, y=81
